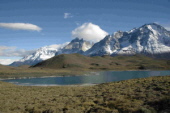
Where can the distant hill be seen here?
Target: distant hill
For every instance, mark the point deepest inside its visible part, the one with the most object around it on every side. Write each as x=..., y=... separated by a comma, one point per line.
x=77, y=61
x=66, y=61
x=4, y=67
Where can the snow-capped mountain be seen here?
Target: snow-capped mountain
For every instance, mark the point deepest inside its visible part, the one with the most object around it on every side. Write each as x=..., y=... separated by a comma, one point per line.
x=149, y=39
x=41, y=54
x=105, y=47
x=76, y=46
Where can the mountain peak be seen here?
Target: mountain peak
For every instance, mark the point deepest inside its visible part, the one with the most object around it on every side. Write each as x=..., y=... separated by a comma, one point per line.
x=104, y=47
x=149, y=39
x=118, y=34
x=77, y=45
x=39, y=55
x=77, y=40
x=153, y=26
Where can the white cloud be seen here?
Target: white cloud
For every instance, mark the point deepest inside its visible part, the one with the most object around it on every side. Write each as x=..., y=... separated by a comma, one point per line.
x=58, y=46
x=9, y=52
x=7, y=61
x=13, y=51
x=67, y=15
x=21, y=26
x=89, y=31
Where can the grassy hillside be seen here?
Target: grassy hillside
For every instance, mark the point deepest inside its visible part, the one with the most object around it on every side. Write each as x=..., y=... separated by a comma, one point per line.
x=3, y=67
x=68, y=61
x=146, y=95
x=76, y=64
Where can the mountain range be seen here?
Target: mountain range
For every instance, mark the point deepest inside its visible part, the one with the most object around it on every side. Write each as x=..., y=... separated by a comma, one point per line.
x=41, y=54
x=150, y=40
x=75, y=46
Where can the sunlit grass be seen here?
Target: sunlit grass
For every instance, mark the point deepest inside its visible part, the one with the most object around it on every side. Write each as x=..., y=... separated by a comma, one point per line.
x=145, y=95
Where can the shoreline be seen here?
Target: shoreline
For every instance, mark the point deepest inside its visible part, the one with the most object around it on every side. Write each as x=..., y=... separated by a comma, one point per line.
x=89, y=83
x=86, y=73
x=52, y=85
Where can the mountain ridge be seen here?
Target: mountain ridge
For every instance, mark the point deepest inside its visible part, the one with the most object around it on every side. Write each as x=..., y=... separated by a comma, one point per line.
x=150, y=39
x=75, y=46
x=41, y=54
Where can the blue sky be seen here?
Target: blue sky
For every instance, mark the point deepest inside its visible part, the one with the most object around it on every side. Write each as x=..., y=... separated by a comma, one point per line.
x=58, y=18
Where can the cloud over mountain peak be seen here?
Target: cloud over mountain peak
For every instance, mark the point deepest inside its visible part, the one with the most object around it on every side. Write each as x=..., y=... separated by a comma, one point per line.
x=90, y=32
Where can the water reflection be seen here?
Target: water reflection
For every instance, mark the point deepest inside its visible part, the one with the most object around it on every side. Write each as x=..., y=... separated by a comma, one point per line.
x=92, y=78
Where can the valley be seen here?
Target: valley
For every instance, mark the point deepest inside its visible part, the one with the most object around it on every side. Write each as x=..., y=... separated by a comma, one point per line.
x=150, y=40
x=77, y=64
x=84, y=56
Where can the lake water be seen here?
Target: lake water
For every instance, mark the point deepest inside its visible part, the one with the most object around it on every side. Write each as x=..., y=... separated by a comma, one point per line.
x=91, y=78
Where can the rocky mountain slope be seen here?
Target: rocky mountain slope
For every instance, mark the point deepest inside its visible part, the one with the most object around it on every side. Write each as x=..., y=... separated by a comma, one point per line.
x=75, y=46
x=105, y=47
x=41, y=54
x=149, y=39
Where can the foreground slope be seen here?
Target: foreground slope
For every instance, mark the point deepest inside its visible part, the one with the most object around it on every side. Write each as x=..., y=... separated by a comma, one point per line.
x=146, y=95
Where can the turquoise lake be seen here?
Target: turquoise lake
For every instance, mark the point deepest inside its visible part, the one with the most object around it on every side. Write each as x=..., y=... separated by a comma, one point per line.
x=88, y=79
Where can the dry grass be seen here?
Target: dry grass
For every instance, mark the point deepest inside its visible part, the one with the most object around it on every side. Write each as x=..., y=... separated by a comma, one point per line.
x=146, y=95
